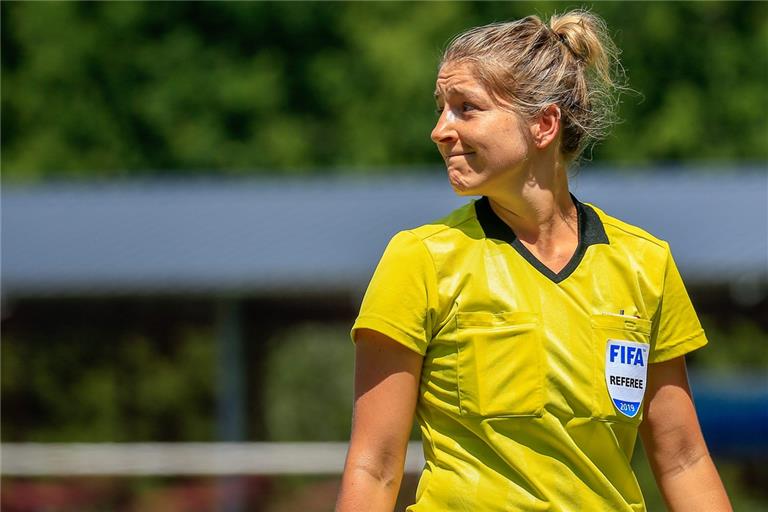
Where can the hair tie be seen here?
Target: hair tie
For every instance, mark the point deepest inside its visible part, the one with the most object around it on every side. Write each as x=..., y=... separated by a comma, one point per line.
x=564, y=41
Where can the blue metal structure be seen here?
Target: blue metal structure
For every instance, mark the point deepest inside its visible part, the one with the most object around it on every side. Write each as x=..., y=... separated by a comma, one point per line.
x=266, y=237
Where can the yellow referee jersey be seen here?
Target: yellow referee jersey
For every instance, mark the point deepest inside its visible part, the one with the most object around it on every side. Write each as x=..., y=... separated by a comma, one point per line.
x=533, y=381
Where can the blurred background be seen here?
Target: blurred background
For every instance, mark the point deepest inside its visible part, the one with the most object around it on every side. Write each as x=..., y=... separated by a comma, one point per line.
x=196, y=194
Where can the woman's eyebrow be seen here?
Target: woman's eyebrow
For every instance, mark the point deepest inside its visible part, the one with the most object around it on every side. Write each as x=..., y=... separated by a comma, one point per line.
x=458, y=90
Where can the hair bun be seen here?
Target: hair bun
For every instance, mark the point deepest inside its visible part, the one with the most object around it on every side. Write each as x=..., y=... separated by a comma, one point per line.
x=585, y=35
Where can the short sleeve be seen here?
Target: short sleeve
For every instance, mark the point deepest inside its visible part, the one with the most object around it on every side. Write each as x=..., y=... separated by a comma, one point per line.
x=400, y=301
x=677, y=330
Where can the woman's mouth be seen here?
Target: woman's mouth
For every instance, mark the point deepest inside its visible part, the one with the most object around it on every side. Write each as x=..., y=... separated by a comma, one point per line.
x=463, y=153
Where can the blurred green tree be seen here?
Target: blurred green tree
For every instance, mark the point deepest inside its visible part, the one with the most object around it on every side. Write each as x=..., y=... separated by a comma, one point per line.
x=101, y=90
x=86, y=385
x=308, y=381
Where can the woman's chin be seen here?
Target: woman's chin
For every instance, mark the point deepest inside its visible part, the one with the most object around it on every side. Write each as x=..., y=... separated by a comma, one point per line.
x=460, y=184
x=465, y=192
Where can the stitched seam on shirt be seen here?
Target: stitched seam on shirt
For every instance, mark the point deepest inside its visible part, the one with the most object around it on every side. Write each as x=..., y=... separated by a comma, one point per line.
x=636, y=235
x=472, y=217
x=434, y=283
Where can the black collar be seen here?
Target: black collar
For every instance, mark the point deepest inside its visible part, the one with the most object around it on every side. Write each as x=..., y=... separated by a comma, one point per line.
x=591, y=232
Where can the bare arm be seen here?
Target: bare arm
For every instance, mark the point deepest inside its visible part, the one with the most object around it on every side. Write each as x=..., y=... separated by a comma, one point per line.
x=386, y=389
x=678, y=455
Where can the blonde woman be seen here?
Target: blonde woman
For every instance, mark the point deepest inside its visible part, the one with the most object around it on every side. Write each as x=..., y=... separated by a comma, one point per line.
x=532, y=335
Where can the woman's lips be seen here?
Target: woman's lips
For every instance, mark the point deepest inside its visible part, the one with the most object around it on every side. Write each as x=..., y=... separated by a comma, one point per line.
x=459, y=154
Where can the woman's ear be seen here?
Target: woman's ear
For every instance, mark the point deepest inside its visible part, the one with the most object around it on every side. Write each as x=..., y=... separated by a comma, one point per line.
x=546, y=126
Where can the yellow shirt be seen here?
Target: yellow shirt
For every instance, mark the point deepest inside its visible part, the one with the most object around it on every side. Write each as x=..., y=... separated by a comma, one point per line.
x=532, y=382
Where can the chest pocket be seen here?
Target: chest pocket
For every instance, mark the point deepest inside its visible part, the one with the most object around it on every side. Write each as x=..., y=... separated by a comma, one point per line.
x=499, y=364
x=621, y=349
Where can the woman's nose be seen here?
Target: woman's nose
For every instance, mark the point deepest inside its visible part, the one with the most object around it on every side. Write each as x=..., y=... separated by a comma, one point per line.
x=444, y=131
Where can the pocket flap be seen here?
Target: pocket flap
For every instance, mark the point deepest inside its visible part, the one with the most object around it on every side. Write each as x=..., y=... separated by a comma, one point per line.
x=622, y=323
x=504, y=319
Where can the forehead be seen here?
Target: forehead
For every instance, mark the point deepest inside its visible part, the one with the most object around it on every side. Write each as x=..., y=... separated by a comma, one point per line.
x=457, y=78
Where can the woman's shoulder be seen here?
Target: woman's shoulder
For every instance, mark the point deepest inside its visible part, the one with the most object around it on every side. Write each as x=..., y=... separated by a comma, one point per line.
x=455, y=223
x=620, y=231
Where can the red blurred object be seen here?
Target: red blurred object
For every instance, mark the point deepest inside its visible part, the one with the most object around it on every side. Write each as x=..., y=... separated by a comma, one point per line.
x=127, y=495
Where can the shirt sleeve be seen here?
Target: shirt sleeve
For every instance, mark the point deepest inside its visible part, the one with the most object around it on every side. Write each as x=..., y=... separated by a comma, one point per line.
x=676, y=329
x=401, y=299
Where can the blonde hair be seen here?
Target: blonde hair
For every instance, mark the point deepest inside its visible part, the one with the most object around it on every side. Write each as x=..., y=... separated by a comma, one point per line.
x=571, y=63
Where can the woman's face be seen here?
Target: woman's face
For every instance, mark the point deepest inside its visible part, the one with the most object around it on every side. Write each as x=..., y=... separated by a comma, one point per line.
x=483, y=145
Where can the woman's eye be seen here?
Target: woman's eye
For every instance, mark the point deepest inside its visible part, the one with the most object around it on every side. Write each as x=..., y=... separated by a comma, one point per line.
x=465, y=107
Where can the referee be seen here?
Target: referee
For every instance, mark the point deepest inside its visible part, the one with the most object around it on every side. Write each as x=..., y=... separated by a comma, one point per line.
x=532, y=335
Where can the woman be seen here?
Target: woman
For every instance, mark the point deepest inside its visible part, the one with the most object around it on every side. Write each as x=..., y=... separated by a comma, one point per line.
x=532, y=334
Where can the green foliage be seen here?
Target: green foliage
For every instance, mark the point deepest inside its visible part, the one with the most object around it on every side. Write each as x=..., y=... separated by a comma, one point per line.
x=112, y=89
x=87, y=386
x=739, y=343
x=701, y=68
x=308, y=385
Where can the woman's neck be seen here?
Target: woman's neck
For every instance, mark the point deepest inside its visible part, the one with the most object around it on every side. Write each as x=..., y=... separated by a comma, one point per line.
x=539, y=209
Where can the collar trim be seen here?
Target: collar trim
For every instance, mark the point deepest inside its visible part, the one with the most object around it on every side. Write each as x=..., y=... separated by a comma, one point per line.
x=591, y=232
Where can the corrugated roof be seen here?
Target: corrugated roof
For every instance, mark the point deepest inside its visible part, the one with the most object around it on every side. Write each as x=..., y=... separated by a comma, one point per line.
x=257, y=236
